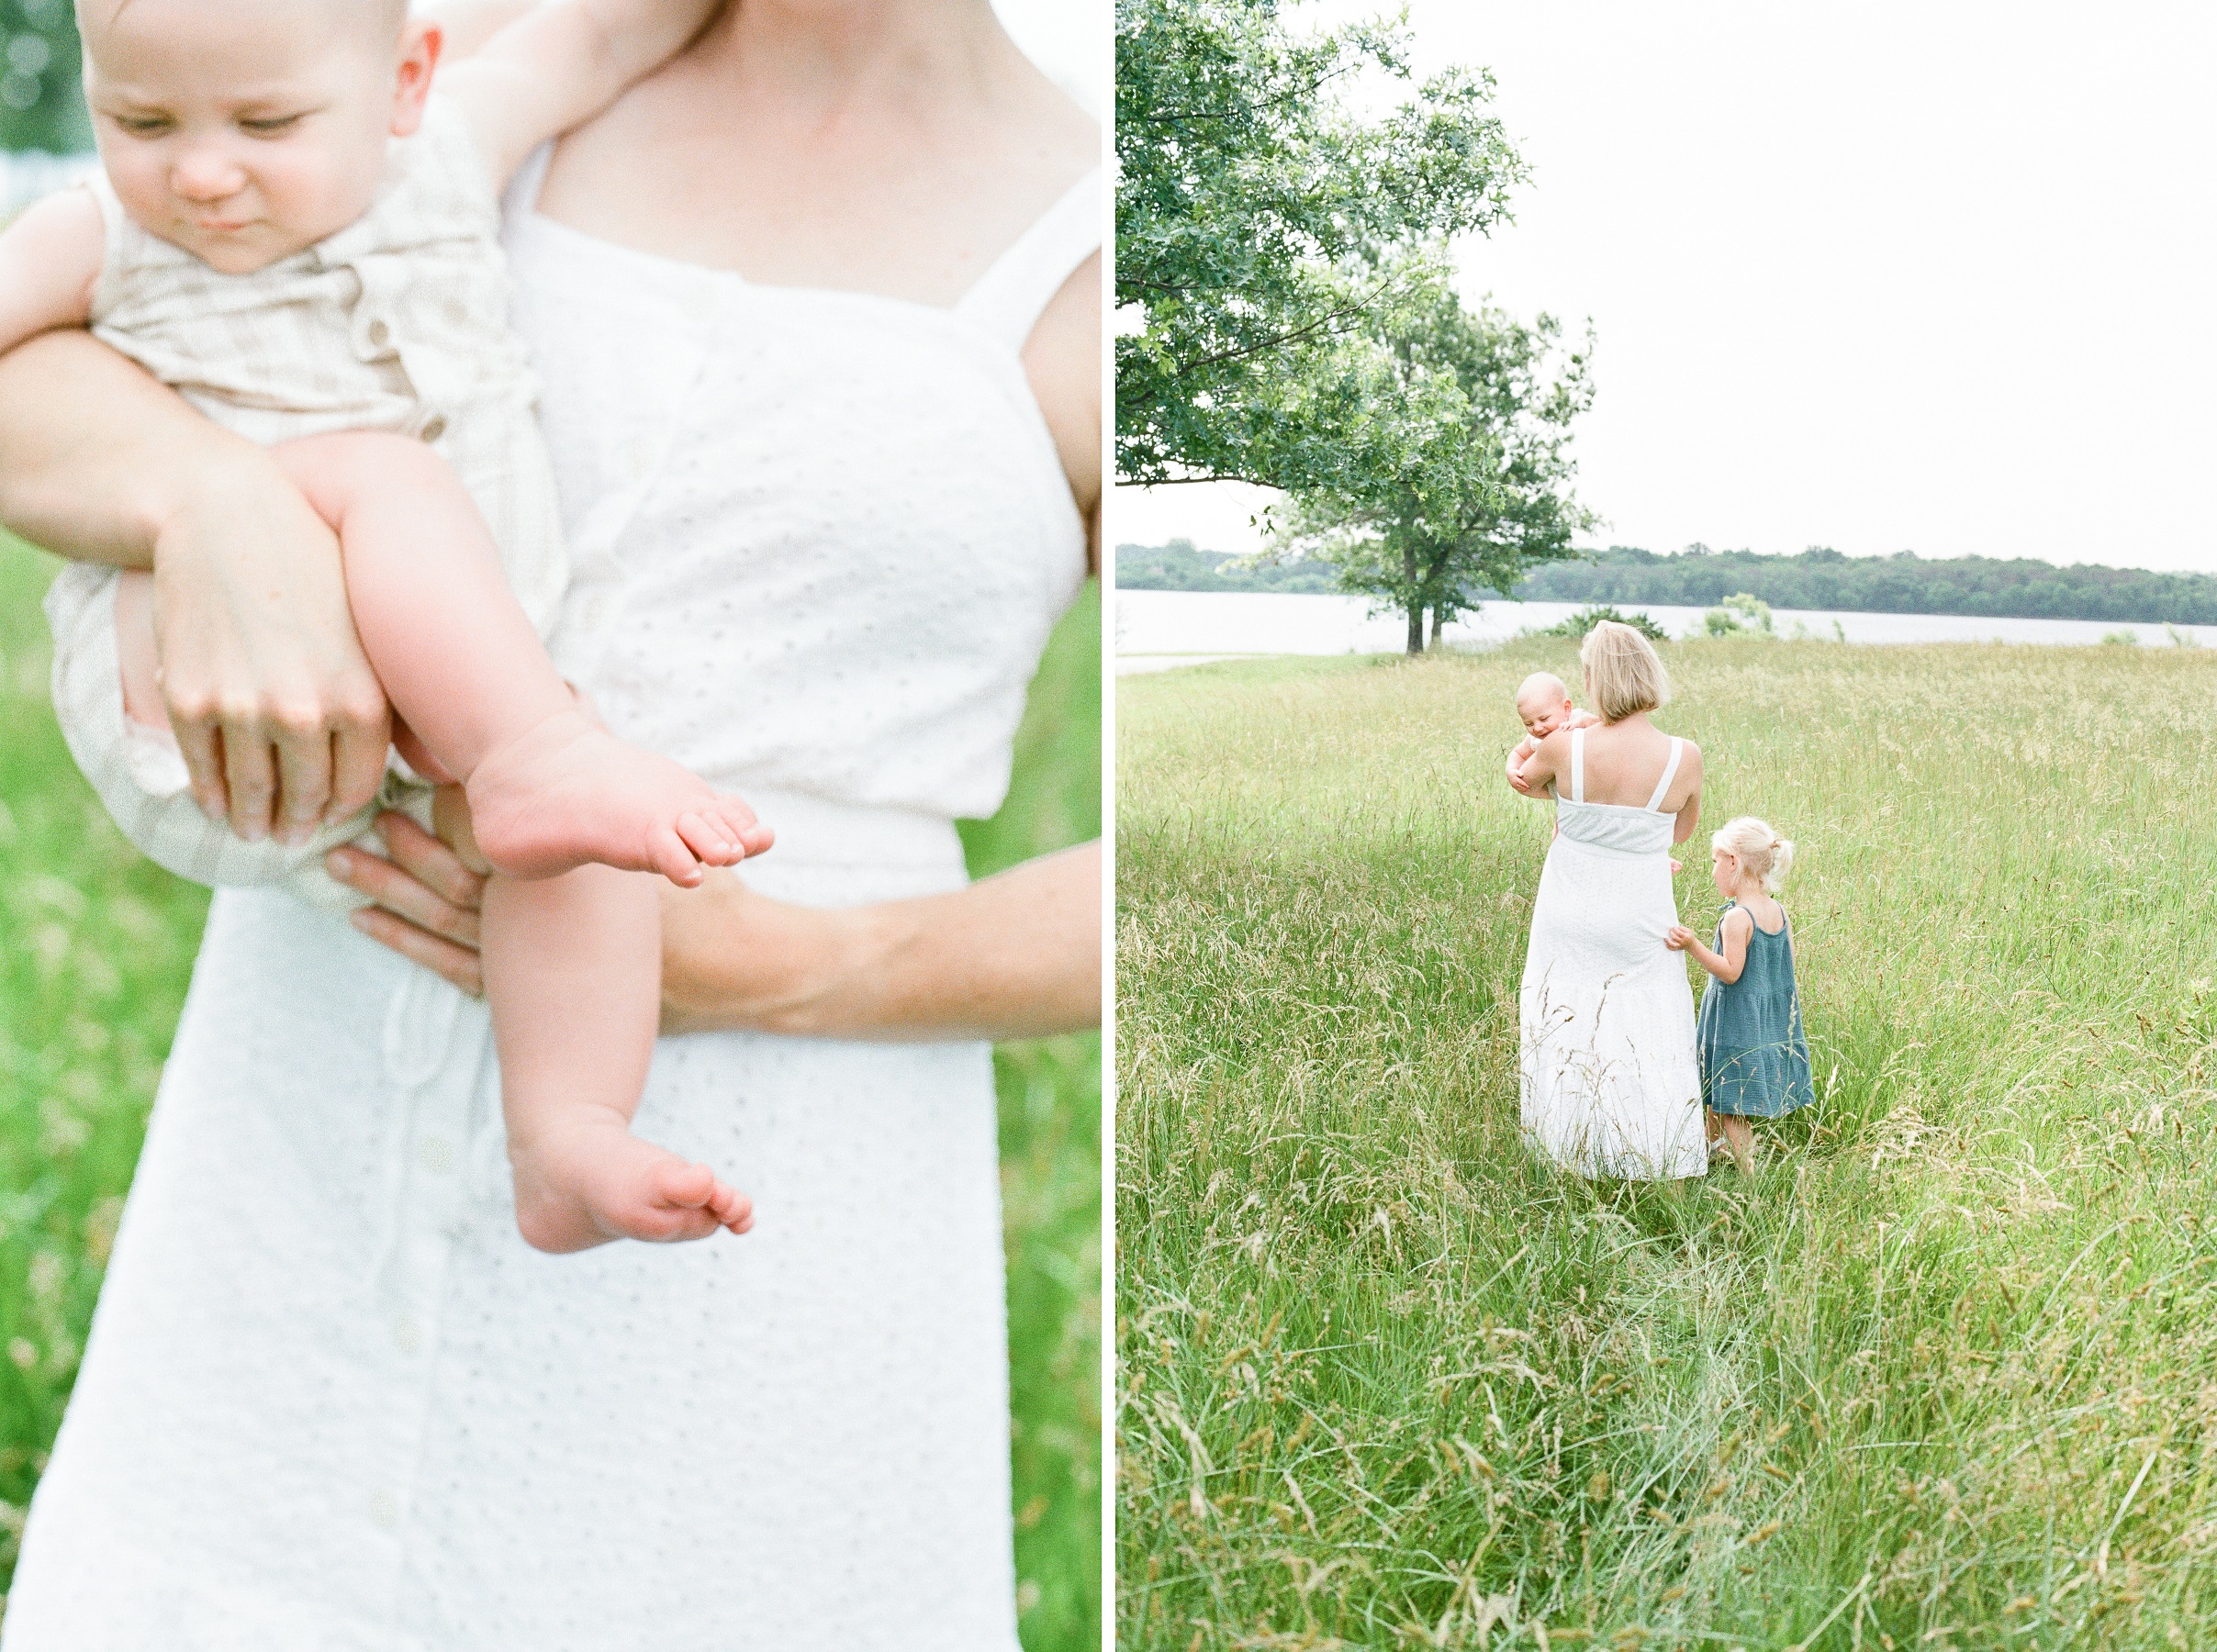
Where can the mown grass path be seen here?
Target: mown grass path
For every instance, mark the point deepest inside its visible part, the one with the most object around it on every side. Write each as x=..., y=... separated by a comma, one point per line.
x=100, y=944
x=1941, y=1373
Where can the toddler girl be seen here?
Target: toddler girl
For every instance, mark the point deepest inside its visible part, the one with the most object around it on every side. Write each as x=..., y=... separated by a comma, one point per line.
x=1754, y=1059
x=259, y=241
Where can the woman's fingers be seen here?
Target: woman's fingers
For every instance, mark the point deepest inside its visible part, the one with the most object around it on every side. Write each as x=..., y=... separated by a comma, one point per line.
x=451, y=914
x=441, y=867
x=250, y=777
x=457, y=963
x=357, y=764
x=202, y=748
x=303, y=781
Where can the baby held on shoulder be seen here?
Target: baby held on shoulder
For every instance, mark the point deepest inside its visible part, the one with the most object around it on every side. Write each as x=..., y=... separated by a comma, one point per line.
x=293, y=230
x=1544, y=706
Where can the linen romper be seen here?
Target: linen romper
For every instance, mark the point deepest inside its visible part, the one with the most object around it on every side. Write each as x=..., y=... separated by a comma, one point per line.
x=399, y=322
x=1755, y=1057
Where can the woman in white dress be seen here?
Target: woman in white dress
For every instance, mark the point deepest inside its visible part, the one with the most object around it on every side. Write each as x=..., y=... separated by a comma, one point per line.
x=817, y=313
x=1610, y=1086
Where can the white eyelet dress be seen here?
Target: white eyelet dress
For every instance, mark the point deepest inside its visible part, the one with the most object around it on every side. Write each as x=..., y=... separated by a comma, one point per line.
x=1610, y=1084
x=331, y=1401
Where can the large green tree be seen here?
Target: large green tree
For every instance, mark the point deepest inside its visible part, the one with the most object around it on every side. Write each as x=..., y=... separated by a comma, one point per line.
x=1268, y=206
x=1481, y=406
x=39, y=105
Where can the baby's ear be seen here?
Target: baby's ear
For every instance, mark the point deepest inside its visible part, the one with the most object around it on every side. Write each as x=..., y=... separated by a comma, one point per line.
x=420, y=45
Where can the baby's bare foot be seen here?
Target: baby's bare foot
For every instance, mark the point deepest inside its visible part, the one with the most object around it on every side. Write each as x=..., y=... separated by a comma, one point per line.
x=591, y=1180
x=568, y=792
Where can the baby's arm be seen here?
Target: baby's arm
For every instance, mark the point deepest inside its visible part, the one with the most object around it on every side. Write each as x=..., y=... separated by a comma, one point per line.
x=1579, y=718
x=558, y=65
x=50, y=262
x=1725, y=966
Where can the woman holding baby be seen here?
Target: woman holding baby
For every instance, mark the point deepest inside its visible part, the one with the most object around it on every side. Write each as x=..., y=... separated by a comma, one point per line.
x=1611, y=1083
x=815, y=309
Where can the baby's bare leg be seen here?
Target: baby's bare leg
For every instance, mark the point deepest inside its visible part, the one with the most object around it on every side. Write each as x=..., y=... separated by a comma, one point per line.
x=549, y=788
x=573, y=969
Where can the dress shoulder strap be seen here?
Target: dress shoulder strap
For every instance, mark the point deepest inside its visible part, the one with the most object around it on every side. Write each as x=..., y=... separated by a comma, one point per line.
x=1008, y=300
x=1670, y=772
x=522, y=192
x=1578, y=765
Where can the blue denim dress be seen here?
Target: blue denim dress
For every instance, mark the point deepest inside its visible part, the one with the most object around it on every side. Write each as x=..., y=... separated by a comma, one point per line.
x=1754, y=1058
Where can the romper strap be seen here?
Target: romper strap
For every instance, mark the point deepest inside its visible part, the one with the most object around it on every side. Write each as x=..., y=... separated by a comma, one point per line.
x=1670, y=772
x=1008, y=300
x=1578, y=765
x=522, y=192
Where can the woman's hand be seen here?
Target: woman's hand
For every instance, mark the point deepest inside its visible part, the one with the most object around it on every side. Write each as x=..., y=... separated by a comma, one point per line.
x=281, y=720
x=427, y=896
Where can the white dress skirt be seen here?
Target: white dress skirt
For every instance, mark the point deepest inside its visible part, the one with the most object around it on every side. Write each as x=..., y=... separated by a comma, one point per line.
x=1610, y=1084
x=330, y=1400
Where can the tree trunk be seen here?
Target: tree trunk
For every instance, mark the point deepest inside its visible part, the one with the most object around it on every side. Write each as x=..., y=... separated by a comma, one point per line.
x=1416, y=602
x=1439, y=625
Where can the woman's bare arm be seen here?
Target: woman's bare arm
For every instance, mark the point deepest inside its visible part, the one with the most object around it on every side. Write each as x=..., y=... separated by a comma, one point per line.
x=279, y=716
x=1017, y=955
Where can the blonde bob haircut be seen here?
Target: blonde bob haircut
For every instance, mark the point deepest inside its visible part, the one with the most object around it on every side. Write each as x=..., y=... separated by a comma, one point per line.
x=1761, y=853
x=1623, y=674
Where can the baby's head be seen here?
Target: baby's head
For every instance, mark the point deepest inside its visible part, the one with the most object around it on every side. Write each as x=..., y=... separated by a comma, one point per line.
x=247, y=130
x=1748, y=848
x=1543, y=703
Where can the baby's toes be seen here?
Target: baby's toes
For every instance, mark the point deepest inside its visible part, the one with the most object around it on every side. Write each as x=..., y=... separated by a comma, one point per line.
x=666, y=853
x=733, y=1208
x=707, y=836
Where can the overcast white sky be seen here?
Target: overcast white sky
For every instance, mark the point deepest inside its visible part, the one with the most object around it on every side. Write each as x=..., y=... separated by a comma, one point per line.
x=1070, y=40
x=1884, y=276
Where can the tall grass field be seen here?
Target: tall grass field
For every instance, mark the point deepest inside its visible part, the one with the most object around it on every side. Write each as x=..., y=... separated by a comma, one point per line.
x=1941, y=1372
x=99, y=946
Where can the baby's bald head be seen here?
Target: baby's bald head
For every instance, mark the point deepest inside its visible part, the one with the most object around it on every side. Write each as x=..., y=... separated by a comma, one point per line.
x=1542, y=703
x=381, y=20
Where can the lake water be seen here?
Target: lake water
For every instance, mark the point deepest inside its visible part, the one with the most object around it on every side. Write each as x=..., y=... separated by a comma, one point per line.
x=1155, y=629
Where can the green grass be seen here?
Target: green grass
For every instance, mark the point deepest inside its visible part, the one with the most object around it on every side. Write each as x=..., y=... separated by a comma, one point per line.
x=1941, y=1374
x=101, y=945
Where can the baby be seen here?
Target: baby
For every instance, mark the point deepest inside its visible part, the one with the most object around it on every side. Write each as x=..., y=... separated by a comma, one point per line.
x=258, y=241
x=1543, y=705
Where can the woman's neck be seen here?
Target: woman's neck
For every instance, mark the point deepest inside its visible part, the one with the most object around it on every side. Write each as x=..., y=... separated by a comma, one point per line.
x=831, y=49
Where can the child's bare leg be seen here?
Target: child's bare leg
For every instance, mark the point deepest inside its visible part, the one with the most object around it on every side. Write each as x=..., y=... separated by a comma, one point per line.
x=549, y=788
x=573, y=969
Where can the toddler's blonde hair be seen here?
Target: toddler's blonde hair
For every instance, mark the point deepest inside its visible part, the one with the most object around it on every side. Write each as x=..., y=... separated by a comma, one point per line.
x=1760, y=850
x=1623, y=674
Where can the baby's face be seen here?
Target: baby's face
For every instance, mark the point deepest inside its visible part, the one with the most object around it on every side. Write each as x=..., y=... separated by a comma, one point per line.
x=1543, y=716
x=244, y=130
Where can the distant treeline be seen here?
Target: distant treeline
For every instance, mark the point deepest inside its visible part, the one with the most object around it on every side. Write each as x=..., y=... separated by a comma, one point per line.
x=1818, y=578
x=1176, y=566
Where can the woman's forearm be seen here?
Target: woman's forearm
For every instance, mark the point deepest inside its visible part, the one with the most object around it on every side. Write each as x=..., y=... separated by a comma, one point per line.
x=1017, y=955
x=95, y=457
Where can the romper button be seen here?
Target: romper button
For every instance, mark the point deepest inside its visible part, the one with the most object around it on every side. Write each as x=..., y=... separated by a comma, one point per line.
x=385, y=1509
x=437, y=1155
x=435, y=427
x=380, y=334
x=408, y=1336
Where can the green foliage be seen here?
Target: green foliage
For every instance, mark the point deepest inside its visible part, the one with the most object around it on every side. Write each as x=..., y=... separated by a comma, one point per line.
x=1739, y=614
x=1941, y=1372
x=1902, y=583
x=40, y=107
x=1479, y=492
x=1178, y=566
x=1584, y=619
x=1260, y=221
x=101, y=947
